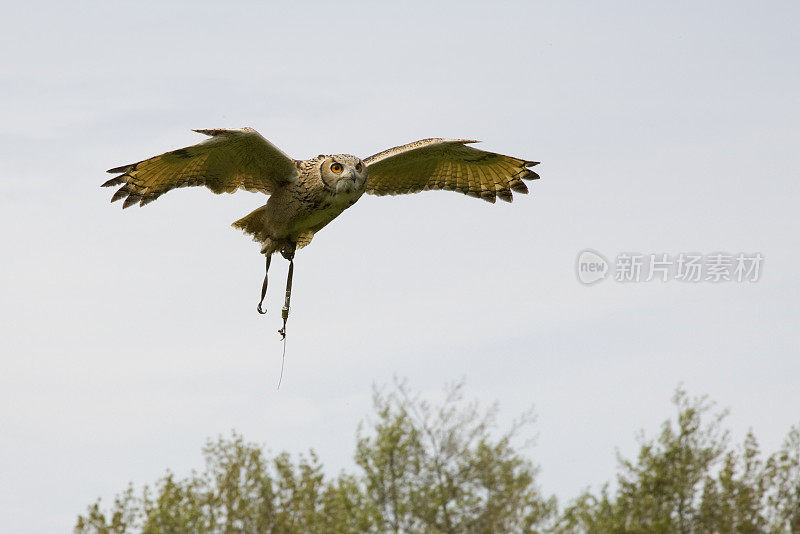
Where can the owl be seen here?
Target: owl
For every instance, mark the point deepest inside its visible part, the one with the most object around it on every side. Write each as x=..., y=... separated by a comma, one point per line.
x=306, y=195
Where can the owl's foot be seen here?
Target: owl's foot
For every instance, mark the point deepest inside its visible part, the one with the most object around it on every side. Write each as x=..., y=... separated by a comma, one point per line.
x=288, y=251
x=264, y=286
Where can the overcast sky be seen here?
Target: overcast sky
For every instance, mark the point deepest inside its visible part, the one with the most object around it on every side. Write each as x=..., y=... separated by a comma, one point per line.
x=130, y=337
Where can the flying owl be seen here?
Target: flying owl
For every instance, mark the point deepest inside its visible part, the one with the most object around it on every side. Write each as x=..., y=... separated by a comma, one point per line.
x=306, y=195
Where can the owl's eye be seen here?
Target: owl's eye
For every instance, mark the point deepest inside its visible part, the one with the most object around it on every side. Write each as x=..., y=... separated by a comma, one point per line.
x=358, y=167
x=337, y=168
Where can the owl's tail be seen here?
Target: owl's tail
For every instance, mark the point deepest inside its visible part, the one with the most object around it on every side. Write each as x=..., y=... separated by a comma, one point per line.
x=253, y=224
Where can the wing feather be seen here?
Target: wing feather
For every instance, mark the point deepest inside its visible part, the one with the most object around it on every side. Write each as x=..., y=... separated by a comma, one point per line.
x=228, y=160
x=494, y=178
x=447, y=164
x=438, y=180
x=474, y=185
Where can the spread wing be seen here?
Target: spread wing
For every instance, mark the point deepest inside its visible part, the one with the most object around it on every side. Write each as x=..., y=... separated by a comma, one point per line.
x=226, y=161
x=447, y=164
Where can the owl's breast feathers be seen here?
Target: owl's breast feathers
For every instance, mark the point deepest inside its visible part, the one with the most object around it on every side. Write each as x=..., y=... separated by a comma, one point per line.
x=297, y=211
x=311, y=204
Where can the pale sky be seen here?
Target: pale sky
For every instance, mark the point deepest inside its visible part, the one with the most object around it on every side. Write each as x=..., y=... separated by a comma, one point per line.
x=130, y=337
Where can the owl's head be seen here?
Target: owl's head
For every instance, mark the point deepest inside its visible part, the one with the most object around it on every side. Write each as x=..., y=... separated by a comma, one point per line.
x=343, y=173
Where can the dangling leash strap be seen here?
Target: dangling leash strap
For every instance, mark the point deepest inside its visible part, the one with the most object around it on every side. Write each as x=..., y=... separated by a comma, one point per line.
x=285, y=309
x=285, y=316
x=264, y=286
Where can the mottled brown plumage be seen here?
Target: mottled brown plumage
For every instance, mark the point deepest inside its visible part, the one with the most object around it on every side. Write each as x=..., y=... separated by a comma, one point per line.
x=305, y=195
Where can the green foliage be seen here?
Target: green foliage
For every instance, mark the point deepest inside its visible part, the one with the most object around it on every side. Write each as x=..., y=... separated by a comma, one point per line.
x=441, y=470
x=239, y=491
x=446, y=469
x=424, y=470
x=689, y=480
x=782, y=472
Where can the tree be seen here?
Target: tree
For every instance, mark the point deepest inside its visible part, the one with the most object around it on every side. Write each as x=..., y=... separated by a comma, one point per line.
x=689, y=480
x=440, y=469
x=240, y=491
x=445, y=468
x=423, y=470
x=782, y=471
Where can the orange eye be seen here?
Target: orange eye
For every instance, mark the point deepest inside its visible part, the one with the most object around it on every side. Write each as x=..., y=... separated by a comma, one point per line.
x=358, y=167
x=337, y=168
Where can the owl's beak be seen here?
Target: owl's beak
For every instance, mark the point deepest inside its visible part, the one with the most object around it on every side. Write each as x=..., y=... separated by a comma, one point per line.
x=350, y=175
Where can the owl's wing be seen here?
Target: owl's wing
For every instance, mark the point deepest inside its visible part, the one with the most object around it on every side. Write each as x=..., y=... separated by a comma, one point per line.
x=226, y=161
x=447, y=164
